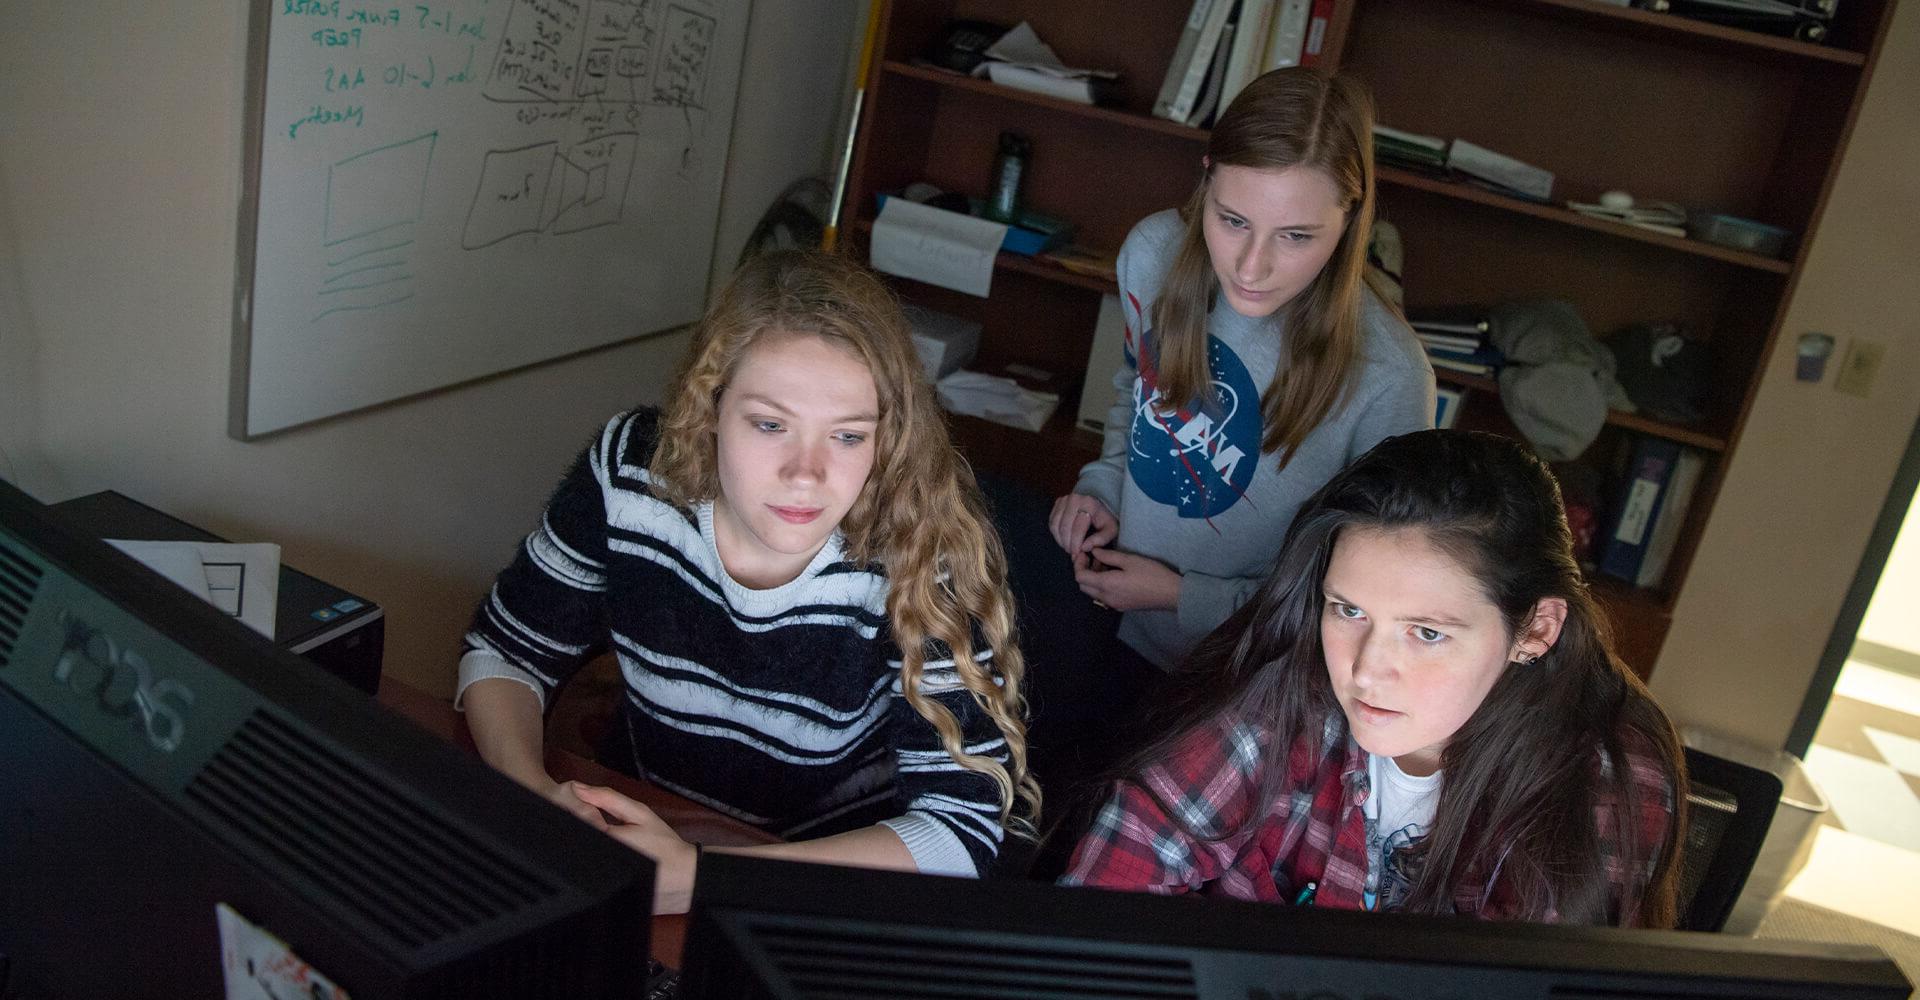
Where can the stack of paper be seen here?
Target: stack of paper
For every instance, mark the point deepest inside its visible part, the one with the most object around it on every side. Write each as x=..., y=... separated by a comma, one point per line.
x=1001, y=400
x=1500, y=170
x=1022, y=61
x=240, y=580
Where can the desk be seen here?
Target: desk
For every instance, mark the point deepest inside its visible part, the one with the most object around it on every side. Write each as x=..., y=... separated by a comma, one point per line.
x=689, y=819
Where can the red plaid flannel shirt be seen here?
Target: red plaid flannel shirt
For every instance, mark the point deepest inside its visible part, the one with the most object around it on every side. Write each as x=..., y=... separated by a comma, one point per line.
x=1313, y=832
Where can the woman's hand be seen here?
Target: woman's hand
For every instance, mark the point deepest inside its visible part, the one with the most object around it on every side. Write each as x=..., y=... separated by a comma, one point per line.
x=643, y=830
x=1127, y=582
x=565, y=794
x=1080, y=523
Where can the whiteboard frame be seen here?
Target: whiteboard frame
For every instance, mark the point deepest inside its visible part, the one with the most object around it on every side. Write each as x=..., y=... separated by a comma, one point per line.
x=260, y=15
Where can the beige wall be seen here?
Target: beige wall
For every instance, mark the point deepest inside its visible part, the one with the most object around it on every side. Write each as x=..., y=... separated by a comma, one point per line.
x=1814, y=465
x=119, y=181
x=1893, y=617
x=20, y=457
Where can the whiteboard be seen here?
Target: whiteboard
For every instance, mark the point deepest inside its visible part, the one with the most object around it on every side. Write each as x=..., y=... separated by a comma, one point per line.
x=439, y=192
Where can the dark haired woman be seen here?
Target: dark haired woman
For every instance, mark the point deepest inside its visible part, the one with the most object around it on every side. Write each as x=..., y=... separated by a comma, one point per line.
x=1417, y=711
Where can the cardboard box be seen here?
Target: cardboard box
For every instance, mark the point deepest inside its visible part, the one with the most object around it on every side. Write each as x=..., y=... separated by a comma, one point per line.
x=946, y=342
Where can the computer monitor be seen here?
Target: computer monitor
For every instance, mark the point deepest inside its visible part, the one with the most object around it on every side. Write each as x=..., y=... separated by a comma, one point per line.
x=764, y=929
x=165, y=771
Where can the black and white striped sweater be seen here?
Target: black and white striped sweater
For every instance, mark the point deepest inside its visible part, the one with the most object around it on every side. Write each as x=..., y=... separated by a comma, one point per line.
x=780, y=707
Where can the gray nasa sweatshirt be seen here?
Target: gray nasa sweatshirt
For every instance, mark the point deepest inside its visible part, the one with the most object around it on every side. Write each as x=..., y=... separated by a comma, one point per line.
x=1189, y=484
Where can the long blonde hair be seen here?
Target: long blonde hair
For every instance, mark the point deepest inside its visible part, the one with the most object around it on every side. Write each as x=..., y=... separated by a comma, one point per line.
x=1287, y=118
x=919, y=515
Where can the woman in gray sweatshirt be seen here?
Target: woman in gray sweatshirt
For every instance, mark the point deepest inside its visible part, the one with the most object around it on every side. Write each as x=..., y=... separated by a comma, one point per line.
x=1259, y=362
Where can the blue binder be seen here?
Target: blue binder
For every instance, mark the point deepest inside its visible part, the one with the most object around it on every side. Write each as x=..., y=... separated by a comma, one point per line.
x=1637, y=507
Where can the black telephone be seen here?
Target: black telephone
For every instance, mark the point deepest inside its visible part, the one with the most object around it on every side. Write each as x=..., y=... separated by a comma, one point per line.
x=963, y=44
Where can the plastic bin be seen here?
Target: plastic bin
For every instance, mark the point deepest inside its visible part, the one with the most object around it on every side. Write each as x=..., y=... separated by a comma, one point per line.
x=1789, y=839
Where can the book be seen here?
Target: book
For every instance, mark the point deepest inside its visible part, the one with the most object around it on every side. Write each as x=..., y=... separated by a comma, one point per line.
x=1288, y=34
x=1449, y=342
x=1409, y=147
x=1216, y=77
x=1459, y=328
x=1466, y=318
x=1249, y=46
x=1667, y=521
x=1193, y=72
x=1471, y=355
x=1461, y=366
x=1500, y=169
x=1481, y=354
x=1317, y=23
x=1650, y=468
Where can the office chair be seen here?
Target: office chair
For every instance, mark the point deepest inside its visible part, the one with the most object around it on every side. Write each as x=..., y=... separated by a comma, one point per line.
x=1729, y=809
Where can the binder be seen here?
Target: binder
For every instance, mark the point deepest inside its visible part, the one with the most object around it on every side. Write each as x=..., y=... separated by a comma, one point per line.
x=1188, y=77
x=1249, y=47
x=1288, y=35
x=1216, y=78
x=1317, y=24
x=1650, y=469
x=1183, y=55
x=1673, y=511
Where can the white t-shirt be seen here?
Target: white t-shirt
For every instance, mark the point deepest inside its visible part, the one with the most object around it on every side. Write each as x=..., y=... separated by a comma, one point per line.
x=1399, y=810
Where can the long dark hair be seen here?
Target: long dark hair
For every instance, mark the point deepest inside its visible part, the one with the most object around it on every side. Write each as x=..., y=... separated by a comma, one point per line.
x=1294, y=117
x=1521, y=777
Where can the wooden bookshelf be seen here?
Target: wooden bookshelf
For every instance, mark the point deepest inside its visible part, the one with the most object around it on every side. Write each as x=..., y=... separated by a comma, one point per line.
x=1607, y=97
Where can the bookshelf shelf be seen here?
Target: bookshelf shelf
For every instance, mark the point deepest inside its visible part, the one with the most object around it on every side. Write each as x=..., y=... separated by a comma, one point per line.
x=956, y=81
x=1673, y=29
x=1467, y=192
x=1617, y=418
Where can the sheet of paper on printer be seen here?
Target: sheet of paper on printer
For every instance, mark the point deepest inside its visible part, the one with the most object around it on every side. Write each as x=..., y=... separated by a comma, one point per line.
x=240, y=580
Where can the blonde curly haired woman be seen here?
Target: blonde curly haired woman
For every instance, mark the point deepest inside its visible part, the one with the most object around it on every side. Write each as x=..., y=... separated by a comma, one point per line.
x=808, y=605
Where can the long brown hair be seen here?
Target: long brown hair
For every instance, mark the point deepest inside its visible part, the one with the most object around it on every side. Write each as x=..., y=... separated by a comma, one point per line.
x=1287, y=118
x=1521, y=778
x=919, y=515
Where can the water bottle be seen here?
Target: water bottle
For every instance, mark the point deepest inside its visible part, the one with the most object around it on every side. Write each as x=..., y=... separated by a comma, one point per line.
x=1003, y=193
